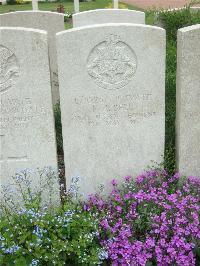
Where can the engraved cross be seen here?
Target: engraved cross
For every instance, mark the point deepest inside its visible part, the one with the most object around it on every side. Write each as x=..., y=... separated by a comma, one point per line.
x=4, y=158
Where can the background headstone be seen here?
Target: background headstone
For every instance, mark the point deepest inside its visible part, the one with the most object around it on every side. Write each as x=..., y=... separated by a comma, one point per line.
x=112, y=86
x=195, y=9
x=76, y=6
x=188, y=101
x=3, y=2
x=116, y=3
x=102, y=16
x=51, y=22
x=35, y=5
x=27, y=135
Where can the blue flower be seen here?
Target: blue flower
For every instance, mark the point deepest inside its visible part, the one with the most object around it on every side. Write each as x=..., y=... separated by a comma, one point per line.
x=2, y=238
x=103, y=255
x=11, y=250
x=38, y=232
x=34, y=262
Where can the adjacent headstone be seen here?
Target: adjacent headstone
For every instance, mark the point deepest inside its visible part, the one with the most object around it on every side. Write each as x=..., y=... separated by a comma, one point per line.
x=76, y=6
x=195, y=9
x=35, y=5
x=188, y=101
x=112, y=85
x=27, y=135
x=102, y=16
x=116, y=3
x=51, y=22
x=3, y=2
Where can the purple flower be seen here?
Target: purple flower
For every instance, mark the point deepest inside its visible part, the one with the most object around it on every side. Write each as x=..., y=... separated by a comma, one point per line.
x=118, y=209
x=127, y=178
x=152, y=220
x=114, y=182
x=104, y=224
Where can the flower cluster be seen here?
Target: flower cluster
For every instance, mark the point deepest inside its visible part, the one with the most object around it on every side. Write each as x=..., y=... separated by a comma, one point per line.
x=154, y=219
x=150, y=220
x=34, y=231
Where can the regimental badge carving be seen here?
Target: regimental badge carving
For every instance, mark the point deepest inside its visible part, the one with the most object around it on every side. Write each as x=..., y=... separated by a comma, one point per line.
x=112, y=63
x=9, y=68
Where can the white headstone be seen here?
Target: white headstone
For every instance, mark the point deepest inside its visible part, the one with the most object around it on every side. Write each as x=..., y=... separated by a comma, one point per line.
x=112, y=85
x=3, y=2
x=195, y=9
x=27, y=135
x=76, y=6
x=116, y=3
x=51, y=22
x=102, y=16
x=188, y=101
x=35, y=5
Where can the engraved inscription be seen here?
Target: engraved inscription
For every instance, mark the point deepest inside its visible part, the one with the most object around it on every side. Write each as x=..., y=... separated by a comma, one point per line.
x=191, y=116
x=9, y=68
x=112, y=63
x=4, y=158
x=126, y=109
x=19, y=112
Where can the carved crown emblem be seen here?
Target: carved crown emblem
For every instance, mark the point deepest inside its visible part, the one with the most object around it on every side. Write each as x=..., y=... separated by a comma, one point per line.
x=9, y=68
x=112, y=63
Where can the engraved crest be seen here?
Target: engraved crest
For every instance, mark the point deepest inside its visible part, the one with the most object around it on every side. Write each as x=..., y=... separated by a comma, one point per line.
x=112, y=63
x=9, y=68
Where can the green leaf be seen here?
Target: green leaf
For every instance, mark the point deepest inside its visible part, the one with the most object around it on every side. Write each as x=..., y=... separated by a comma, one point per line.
x=20, y=262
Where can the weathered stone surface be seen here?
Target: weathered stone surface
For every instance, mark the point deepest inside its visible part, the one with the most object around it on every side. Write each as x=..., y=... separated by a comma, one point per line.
x=102, y=16
x=3, y=2
x=51, y=22
x=116, y=3
x=188, y=99
x=195, y=9
x=76, y=6
x=112, y=85
x=27, y=135
x=35, y=5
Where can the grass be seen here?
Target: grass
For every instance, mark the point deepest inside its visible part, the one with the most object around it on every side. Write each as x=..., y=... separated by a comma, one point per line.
x=69, y=6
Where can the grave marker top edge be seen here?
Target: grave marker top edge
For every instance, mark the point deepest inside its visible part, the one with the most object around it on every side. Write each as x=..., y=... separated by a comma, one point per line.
x=189, y=28
x=33, y=12
x=102, y=16
x=111, y=25
x=109, y=10
x=23, y=29
x=51, y=22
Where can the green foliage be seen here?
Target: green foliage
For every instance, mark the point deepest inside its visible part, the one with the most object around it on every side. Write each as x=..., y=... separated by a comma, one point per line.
x=11, y=2
x=40, y=234
x=58, y=126
x=52, y=6
x=87, y=233
x=174, y=20
x=170, y=111
x=67, y=237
